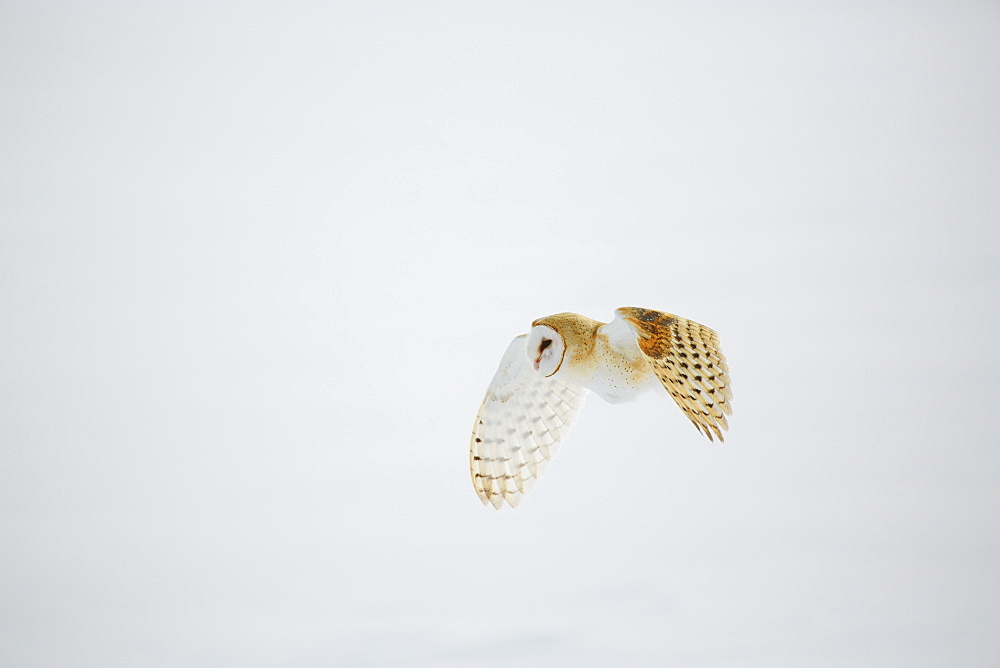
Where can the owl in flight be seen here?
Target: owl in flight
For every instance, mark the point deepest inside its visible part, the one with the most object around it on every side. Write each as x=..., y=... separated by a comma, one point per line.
x=546, y=374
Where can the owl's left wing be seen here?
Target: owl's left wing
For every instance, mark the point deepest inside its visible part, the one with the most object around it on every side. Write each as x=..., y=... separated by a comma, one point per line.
x=523, y=418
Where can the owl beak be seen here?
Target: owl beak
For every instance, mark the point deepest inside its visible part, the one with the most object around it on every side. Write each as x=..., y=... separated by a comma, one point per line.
x=536, y=363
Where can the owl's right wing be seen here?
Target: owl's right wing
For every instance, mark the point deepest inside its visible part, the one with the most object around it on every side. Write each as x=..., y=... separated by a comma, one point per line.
x=521, y=422
x=688, y=361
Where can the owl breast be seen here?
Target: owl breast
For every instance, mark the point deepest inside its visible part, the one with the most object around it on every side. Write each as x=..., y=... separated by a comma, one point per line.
x=621, y=372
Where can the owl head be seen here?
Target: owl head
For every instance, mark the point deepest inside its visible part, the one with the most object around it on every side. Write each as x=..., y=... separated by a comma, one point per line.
x=546, y=349
x=559, y=338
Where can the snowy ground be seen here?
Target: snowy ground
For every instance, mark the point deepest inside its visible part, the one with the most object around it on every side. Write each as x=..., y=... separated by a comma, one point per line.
x=259, y=264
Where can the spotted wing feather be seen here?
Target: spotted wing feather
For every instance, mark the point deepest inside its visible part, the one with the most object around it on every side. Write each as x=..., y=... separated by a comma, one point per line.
x=688, y=360
x=522, y=421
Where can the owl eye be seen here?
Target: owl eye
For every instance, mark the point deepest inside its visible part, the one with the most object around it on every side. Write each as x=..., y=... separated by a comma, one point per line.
x=545, y=344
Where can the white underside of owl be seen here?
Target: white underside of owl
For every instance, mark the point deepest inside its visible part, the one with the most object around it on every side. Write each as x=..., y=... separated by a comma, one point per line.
x=621, y=372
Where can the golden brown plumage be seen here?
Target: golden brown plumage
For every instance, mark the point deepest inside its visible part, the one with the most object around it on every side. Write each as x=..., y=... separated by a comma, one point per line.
x=687, y=359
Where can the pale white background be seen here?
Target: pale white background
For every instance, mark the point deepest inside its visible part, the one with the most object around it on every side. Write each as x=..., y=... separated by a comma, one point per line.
x=259, y=262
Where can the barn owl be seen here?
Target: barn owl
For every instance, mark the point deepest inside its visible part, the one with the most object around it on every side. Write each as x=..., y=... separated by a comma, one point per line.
x=546, y=374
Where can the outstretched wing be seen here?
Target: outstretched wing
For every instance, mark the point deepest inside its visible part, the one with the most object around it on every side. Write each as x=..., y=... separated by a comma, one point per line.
x=521, y=422
x=687, y=359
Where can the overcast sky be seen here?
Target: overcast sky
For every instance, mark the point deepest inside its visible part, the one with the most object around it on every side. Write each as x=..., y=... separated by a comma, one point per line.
x=259, y=263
